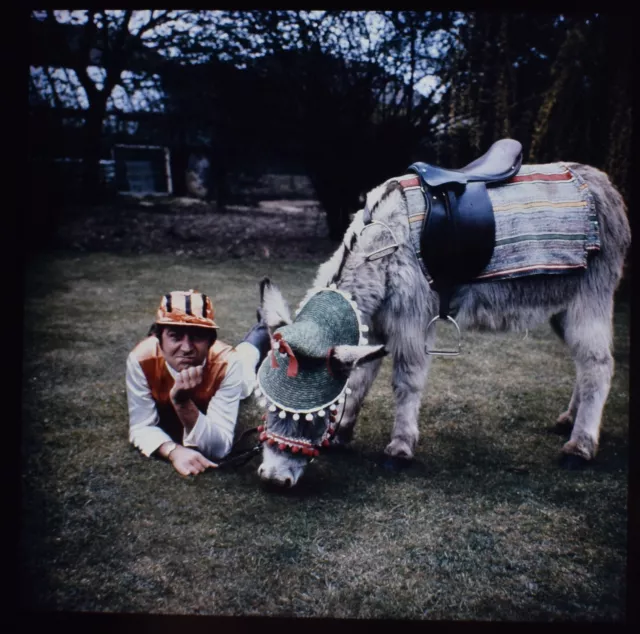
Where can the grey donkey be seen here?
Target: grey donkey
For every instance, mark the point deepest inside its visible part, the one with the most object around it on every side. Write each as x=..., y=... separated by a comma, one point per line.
x=397, y=304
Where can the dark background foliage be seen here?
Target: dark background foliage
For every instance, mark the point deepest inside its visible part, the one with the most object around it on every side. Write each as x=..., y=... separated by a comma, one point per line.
x=333, y=95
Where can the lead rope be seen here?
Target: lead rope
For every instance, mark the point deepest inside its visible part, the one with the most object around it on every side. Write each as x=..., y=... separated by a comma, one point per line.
x=243, y=457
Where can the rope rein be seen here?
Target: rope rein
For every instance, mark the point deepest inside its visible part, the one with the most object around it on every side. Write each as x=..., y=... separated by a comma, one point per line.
x=231, y=460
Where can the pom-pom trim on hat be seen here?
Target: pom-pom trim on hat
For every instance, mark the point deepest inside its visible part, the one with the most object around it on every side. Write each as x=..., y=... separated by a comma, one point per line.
x=273, y=405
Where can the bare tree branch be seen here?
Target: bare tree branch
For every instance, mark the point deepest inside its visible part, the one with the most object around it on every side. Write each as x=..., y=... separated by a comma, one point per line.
x=56, y=96
x=163, y=18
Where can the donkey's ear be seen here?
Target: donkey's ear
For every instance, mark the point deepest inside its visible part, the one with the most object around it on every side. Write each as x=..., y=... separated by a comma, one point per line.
x=274, y=308
x=347, y=357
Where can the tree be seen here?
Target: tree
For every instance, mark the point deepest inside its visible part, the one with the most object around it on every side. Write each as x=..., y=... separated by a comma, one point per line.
x=585, y=114
x=347, y=79
x=494, y=79
x=561, y=84
x=98, y=45
x=334, y=89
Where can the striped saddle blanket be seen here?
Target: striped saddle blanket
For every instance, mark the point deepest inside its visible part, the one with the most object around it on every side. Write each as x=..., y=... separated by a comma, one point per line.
x=545, y=222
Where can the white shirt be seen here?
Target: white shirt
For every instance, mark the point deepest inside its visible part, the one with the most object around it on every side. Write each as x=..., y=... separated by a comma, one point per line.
x=213, y=432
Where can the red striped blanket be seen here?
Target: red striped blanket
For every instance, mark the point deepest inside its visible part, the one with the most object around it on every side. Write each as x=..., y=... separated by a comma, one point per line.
x=545, y=222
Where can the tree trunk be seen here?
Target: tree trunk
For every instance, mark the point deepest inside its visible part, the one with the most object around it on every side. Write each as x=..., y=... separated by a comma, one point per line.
x=93, y=150
x=410, y=88
x=620, y=112
x=221, y=184
x=502, y=125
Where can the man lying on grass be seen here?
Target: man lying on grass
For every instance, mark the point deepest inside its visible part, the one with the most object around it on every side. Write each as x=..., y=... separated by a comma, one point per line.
x=184, y=386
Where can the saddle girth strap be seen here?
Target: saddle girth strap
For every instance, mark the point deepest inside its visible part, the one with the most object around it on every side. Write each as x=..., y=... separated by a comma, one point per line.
x=444, y=288
x=444, y=295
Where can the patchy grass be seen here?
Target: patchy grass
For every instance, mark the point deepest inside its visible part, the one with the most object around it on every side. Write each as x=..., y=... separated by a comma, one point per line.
x=484, y=525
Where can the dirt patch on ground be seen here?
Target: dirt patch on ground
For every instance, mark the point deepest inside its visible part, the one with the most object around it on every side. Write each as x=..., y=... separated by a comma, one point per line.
x=186, y=226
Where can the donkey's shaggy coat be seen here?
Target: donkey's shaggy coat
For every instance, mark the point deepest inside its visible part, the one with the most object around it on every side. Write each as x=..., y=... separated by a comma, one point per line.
x=397, y=304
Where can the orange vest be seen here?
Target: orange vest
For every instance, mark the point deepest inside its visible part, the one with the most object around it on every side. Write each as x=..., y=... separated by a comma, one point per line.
x=160, y=381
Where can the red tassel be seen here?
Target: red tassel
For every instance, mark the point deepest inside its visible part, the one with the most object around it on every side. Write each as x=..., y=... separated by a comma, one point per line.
x=263, y=417
x=292, y=370
x=306, y=451
x=329, y=361
x=260, y=427
x=263, y=436
x=295, y=449
x=271, y=441
x=325, y=442
x=282, y=446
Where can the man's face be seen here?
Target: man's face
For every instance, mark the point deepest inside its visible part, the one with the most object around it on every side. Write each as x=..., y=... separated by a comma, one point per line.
x=184, y=346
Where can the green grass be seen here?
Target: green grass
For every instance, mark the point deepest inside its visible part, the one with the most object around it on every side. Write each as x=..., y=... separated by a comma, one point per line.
x=484, y=525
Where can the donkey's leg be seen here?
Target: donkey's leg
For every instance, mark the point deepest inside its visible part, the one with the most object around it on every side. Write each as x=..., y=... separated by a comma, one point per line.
x=569, y=415
x=589, y=337
x=359, y=382
x=410, y=369
x=565, y=420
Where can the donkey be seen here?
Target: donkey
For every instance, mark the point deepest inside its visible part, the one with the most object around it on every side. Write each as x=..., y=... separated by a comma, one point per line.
x=397, y=303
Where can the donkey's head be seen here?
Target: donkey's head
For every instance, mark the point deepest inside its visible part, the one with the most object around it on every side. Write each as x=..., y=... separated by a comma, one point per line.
x=304, y=379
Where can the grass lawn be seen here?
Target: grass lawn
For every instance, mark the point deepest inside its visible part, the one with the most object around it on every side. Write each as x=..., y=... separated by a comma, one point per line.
x=484, y=525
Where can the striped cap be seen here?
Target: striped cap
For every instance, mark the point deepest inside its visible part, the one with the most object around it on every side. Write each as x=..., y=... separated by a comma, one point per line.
x=186, y=308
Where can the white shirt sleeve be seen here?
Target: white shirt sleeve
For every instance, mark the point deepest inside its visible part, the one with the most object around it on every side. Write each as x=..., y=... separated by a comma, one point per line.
x=249, y=356
x=213, y=433
x=144, y=431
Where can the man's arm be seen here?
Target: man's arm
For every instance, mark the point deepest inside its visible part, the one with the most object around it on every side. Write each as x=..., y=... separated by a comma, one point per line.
x=213, y=432
x=144, y=432
x=186, y=381
x=249, y=357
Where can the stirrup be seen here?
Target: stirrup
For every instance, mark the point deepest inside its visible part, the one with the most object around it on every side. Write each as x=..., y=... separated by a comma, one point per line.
x=443, y=353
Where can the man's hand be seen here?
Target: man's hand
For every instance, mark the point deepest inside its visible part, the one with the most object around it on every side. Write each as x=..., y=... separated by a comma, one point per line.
x=189, y=461
x=185, y=382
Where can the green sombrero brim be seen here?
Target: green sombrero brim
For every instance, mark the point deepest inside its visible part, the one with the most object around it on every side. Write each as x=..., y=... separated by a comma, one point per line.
x=312, y=389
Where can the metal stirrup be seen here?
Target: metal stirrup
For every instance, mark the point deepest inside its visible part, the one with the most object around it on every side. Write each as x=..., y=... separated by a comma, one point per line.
x=443, y=353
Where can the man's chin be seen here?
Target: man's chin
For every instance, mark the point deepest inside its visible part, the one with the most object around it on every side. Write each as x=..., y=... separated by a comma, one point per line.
x=185, y=365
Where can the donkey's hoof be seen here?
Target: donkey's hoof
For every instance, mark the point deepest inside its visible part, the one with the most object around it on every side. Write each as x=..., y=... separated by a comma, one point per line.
x=395, y=464
x=583, y=447
x=571, y=462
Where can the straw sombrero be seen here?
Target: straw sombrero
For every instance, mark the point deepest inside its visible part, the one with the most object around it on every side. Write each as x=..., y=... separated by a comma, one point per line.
x=297, y=376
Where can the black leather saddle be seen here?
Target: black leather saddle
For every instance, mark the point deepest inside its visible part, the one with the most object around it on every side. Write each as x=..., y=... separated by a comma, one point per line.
x=458, y=233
